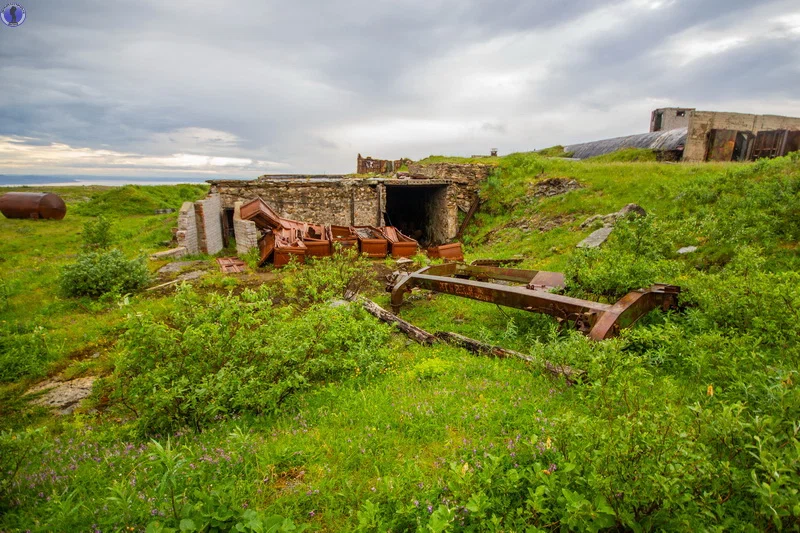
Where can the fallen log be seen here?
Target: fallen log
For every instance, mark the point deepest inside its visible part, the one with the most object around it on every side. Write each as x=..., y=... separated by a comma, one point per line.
x=570, y=374
x=412, y=331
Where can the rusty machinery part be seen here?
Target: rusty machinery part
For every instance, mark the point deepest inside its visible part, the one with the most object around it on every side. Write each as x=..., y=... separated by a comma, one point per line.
x=599, y=321
x=32, y=205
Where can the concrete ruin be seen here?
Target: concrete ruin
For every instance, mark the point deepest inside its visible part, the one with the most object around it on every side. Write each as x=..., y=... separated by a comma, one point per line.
x=424, y=203
x=368, y=165
x=682, y=133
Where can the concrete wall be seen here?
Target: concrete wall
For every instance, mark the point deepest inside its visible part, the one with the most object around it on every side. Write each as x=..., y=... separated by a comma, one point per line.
x=671, y=118
x=702, y=122
x=467, y=178
x=349, y=201
x=245, y=231
x=332, y=200
x=208, y=216
x=187, y=229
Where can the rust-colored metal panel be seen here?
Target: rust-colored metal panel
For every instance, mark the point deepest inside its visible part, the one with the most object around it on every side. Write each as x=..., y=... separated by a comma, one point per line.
x=721, y=144
x=452, y=252
x=344, y=236
x=32, y=205
x=769, y=144
x=400, y=245
x=285, y=251
x=792, y=142
x=599, y=321
x=231, y=265
x=266, y=246
x=371, y=241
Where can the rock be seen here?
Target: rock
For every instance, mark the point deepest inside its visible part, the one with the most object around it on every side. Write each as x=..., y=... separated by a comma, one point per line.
x=612, y=218
x=687, y=250
x=554, y=187
x=63, y=395
x=192, y=275
x=180, y=251
x=337, y=303
x=597, y=238
x=635, y=209
x=177, y=266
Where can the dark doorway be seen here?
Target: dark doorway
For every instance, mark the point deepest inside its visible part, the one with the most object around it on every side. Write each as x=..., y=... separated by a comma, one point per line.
x=418, y=211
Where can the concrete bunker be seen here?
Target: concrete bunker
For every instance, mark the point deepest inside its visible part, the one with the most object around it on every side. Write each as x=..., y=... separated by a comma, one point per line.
x=419, y=211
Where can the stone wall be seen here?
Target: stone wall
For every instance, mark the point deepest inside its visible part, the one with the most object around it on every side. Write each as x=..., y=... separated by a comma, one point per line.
x=367, y=165
x=467, y=178
x=187, y=229
x=702, y=122
x=332, y=200
x=208, y=216
x=245, y=231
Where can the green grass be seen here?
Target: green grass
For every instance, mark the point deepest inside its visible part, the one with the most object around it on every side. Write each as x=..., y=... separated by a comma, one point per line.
x=554, y=151
x=626, y=155
x=488, y=160
x=686, y=422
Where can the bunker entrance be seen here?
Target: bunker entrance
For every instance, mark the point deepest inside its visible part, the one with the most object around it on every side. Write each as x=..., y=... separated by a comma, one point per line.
x=418, y=211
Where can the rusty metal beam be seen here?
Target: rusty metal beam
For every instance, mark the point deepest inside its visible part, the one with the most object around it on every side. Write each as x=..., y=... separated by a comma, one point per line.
x=598, y=320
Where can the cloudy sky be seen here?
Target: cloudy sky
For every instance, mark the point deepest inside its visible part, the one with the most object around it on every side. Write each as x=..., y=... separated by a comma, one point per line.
x=248, y=87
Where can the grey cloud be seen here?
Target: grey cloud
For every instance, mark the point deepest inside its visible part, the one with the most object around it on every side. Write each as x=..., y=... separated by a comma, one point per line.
x=283, y=77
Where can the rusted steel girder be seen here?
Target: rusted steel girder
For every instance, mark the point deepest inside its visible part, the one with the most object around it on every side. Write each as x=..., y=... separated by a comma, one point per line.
x=600, y=321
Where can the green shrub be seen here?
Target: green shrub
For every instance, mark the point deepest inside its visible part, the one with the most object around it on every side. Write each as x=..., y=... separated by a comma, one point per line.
x=236, y=354
x=97, y=234
x=328, y=278
x=635, y=256
x=98, y=273
x=25, y=350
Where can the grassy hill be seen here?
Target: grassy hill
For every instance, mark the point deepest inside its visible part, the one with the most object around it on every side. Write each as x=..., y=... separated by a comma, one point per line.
x=267, y=407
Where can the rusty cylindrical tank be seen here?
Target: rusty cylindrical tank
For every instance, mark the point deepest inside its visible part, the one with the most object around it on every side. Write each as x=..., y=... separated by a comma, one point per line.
x=32, y=205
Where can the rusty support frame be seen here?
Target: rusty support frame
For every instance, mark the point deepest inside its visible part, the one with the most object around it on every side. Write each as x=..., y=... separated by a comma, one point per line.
x=600, y=321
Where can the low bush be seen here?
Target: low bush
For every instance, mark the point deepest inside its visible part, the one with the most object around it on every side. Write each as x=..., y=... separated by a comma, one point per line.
x=232, y=354
x=328, y=278
x=97, y=234
x=25, y=350
x=98, y=273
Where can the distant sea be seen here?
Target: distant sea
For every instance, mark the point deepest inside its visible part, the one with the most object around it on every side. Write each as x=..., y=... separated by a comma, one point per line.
x=8, y=180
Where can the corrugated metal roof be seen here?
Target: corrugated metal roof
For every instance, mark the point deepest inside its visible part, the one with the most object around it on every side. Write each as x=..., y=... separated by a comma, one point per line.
x=658, y=140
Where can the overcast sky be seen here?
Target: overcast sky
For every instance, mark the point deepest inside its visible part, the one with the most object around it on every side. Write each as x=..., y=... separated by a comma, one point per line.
x=247, y=87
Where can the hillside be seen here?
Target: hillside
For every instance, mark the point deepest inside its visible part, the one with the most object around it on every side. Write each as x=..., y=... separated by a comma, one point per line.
x=262, y=407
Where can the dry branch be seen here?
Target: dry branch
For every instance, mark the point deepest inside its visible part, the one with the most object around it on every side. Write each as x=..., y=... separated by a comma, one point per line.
x=413, y=332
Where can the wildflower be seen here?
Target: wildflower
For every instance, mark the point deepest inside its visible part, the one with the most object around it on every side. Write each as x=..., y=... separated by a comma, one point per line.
x=311, y=513
x=430, y=508
x=710, y=390
x=548, y=443
x=416, y=503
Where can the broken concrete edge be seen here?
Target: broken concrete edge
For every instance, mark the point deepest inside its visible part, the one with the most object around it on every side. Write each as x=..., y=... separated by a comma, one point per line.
x=173, y=253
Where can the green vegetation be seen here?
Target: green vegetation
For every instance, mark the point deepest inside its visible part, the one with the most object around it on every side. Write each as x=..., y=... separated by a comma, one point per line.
x=626, y=155
x=279, y=408
x=554, y=151
x=488, y=160
x=140, y=200
x=97, y=273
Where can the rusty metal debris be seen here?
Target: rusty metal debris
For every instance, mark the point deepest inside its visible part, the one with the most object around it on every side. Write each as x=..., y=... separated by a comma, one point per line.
x=231, y=265
x=285, y=238
x=450, y=252
x=33, y=205
x=599, y=321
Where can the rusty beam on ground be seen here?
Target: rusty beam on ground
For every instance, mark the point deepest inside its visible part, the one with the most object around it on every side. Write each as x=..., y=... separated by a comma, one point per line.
x=599, y=321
